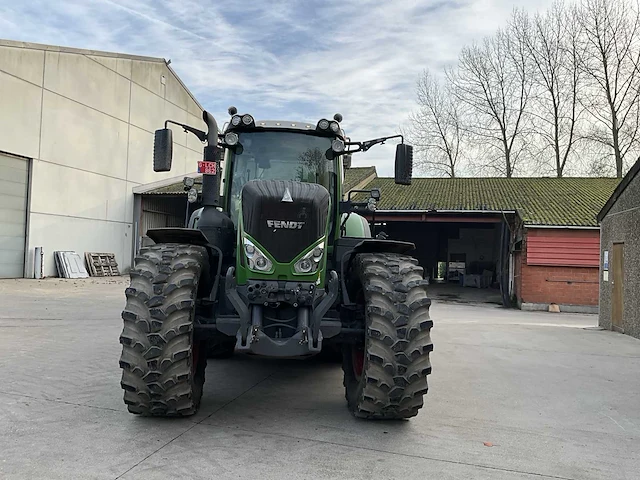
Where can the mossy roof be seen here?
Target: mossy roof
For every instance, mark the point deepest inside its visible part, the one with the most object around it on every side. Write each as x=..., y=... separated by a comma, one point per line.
x=569, y=201
x=538, y=201
x=356, y=175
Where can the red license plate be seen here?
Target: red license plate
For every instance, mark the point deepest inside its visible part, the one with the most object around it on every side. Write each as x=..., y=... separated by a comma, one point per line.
x=207, y=167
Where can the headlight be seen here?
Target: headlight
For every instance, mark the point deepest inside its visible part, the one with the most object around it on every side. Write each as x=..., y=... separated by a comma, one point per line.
x=247, y=119
x=192, y=195
x=323, y=124
x=337, y=145
x=235, y=120
x=256, y=260
x=189, y=182
x=231, y=139
x=304, y=266
x=334, y=127
x=261, y=263
x=310, y=262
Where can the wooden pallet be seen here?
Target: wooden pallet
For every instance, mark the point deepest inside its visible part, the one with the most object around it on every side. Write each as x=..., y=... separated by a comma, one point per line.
x=101, y=264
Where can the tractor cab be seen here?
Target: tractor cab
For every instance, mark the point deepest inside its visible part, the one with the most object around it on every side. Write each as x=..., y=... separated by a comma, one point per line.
x=279, y=150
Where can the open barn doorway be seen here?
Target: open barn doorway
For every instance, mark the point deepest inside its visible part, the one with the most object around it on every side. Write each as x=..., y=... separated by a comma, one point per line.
x=464, y=257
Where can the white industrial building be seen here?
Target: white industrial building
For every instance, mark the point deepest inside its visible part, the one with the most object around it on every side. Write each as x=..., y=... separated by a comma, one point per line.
x=76, y=138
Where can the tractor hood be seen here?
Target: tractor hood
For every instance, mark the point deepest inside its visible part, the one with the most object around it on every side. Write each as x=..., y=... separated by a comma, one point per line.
x=284, y=217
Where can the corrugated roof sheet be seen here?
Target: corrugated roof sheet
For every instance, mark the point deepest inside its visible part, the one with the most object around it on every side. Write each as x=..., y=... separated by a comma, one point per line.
x=539, y=201
x=173, y=189
x=355, y=175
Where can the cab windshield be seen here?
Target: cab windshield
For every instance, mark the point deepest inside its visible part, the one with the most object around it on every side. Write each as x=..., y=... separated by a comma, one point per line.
x=279, y=156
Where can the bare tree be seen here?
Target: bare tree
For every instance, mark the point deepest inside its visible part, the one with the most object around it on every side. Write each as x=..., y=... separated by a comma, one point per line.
x=492, y=79
x=552, y=43
x=435, y=129
x=612, y=63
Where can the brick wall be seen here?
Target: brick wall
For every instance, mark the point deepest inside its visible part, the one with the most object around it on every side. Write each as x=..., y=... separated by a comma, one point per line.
x=561, y=285
x=556, y=284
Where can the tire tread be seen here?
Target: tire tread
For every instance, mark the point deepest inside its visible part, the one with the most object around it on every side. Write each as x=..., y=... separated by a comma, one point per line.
x=398, y=338
x=157, y=335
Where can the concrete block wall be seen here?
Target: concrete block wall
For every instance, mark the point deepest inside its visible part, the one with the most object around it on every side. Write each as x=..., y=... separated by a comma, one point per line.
x=86, y=120
x=622, y=225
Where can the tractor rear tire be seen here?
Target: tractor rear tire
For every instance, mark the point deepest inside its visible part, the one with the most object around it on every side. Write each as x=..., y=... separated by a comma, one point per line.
x=386, y=376
x=163, y=368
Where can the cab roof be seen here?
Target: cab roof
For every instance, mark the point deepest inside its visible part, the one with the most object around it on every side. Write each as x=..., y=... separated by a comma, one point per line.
x=281, y=124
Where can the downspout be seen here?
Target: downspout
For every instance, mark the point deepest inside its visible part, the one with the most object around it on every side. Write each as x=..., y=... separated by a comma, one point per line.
x=511, y=274
x=505, y=264
x=137, y=222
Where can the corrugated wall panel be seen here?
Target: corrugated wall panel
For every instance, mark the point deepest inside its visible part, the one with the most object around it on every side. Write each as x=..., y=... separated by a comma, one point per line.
x=14, y=186
x=160, y=213
x=563, y=247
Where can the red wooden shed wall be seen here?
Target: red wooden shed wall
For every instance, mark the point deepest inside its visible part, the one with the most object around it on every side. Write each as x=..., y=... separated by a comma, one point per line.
x=563, y=247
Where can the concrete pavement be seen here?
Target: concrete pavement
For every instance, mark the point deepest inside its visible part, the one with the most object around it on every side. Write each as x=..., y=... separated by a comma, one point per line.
x=550, y=395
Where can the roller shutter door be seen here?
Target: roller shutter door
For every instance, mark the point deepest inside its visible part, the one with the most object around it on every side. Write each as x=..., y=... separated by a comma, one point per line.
x=14, y=180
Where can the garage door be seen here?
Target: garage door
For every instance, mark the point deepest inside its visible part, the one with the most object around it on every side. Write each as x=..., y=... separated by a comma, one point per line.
x=14, y=177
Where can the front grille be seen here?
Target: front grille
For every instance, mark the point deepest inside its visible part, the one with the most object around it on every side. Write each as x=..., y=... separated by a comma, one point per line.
x=284, y=228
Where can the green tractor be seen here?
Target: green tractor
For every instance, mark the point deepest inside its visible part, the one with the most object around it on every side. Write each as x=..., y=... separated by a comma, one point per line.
x=279, y=265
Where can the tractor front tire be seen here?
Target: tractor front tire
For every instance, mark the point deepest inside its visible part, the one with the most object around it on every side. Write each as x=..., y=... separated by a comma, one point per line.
x=162, y=367
x=385, y=377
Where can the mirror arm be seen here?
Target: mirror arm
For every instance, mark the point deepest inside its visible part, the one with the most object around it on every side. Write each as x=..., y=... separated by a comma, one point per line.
x=367, y=144
x=202, y=136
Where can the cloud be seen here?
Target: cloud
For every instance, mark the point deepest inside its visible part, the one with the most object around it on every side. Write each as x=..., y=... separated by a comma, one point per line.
x=280, y=59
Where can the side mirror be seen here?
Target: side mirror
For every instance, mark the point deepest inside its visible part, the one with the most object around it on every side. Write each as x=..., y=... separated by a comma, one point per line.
x=404, y=164
x=162, y=150
x=346, y=160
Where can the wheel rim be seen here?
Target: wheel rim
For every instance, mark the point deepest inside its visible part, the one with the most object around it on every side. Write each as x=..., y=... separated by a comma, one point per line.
x=357, y=361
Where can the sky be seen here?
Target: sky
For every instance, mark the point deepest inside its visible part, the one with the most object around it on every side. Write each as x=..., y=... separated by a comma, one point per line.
x=280, y=59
